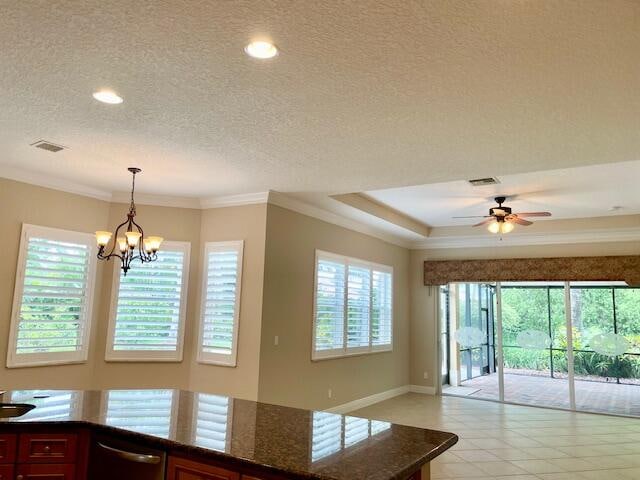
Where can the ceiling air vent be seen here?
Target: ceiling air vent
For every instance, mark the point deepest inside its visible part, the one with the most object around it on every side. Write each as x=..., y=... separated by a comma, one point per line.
x=480, y=182
x=49, y=146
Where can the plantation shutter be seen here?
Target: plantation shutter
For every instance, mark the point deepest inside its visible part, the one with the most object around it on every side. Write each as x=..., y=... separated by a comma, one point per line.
x=212, y=421
x=150, y=307
x=53, y=297
x=381, y=308
x=221, y=302
x=352, y=307
x=358, y=306
x=329, y=304
x=143, y=411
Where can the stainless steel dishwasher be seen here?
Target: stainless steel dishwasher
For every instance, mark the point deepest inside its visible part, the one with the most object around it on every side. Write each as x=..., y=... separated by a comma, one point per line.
x=111, y=458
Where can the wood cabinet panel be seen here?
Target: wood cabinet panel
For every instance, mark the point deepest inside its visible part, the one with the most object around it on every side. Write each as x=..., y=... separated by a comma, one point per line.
x=8, y=447
x=47, y=448
x=43, y=471
x=182, y=469
x=6, y=472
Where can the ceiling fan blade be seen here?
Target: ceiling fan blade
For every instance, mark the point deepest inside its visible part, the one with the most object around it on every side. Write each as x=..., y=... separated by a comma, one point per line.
x=484, y=222
x=476, y=216
x=519, y=221
x=534, y=214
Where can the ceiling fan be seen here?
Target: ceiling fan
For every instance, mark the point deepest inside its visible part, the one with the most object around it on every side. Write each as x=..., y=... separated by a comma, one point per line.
x=502, y=220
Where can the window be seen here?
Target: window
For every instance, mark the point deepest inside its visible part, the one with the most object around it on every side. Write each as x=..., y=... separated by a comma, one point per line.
x=53, y=297
x=148, y=308
x=220, y=309
x=353, y=311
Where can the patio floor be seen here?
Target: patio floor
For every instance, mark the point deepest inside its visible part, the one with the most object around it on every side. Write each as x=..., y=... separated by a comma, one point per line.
x=618, y=399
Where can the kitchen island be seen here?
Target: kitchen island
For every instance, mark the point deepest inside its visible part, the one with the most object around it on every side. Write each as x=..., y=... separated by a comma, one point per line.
x=204, y=436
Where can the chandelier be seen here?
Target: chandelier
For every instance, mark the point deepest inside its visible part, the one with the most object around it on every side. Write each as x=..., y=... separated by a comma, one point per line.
x=131, y=244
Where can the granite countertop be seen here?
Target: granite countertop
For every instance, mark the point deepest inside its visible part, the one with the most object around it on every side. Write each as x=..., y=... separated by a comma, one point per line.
x=300, y=443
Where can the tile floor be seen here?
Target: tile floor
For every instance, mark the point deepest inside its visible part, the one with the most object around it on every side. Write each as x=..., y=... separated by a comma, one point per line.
x=510, y=442
x=590, y=396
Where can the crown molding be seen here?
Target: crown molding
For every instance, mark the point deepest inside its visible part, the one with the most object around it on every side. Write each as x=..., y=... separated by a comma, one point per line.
x=156, y=200
x=234, y=200
x=285, y=201
x=48, y=181
x=626, y=234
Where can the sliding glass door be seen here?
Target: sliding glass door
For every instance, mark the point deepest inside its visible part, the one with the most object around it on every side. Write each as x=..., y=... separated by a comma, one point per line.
x=574, y=346
x=472, y=364
x=606, y=345
x=534, y=344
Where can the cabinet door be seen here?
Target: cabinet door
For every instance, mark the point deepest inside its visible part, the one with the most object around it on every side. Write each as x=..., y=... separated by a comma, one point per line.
x=6, y=472
x=182, y=469
x=8, y=448
x=43, y=471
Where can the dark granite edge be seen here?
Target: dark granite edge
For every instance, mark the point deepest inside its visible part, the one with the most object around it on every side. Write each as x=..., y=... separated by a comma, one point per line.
x=440, y=449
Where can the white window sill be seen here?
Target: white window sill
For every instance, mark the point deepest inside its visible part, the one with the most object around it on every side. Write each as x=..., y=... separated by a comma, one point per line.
x=333, y=356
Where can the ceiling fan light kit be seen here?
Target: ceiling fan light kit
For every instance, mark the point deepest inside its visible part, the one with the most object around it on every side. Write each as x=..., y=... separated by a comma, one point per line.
x=502, y=220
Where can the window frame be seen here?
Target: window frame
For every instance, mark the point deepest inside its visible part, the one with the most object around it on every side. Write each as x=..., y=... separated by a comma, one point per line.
x=211, y=358
x=15, y=360
x=112, y=355
x=346, y=351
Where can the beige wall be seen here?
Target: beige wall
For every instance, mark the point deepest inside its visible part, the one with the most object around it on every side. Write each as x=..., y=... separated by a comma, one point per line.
x=22, y=203
x=287, y=374
x=177, y=224
x=246, y=223
x=423, y=299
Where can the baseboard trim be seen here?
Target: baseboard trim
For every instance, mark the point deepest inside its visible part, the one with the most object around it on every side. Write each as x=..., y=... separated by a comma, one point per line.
x=379, y=397
x=422, y=389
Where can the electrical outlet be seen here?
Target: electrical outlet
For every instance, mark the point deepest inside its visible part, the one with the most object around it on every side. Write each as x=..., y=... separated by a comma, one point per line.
x=425, y=375
x=276, y=340
x=330, y=393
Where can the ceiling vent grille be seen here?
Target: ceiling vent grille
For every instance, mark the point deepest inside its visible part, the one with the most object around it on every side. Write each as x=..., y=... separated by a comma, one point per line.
x=48, y=146
x=480, y=182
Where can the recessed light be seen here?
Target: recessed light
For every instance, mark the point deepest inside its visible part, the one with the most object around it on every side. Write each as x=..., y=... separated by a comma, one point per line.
x=108, y=96
x=261, y=49
x=615, y=208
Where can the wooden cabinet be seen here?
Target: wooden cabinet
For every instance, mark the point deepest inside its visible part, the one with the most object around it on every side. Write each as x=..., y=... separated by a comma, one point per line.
x=43, y=471
x=183, y=469
x=43, y=456
x=8, y=447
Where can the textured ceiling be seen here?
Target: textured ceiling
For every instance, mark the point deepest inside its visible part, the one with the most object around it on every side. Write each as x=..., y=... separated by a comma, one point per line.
x=364, y=96
x=581, y=192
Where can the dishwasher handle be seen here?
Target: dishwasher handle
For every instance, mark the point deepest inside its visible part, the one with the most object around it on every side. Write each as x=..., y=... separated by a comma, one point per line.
x=131, y=456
